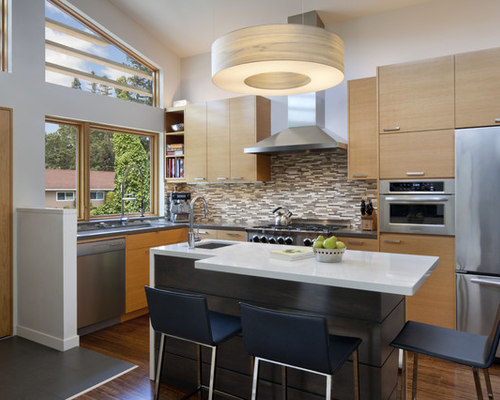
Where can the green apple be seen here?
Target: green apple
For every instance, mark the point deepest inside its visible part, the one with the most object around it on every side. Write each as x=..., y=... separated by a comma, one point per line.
x=340, y=245
x=330, y=243
x=318, y=244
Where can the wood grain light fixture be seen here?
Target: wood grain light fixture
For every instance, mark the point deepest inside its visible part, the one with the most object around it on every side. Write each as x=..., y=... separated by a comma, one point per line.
x=278, y=60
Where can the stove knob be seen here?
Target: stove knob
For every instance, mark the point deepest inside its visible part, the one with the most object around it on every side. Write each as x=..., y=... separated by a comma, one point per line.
x=308, y=242
x=288, y=240
x=281, y=240
x=263, y=239
x=272, y=240
x=255, y=239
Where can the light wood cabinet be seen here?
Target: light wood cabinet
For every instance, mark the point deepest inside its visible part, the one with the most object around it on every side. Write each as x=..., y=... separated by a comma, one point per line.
x=218, y=141
x=137, y=263
x=6, y=222
x=362, y=148
x=250, y=122
x=416, y=96
x=434, y=302
x=195, y=142
x=477, y=88
x=223, y=234
x=215, y=139
x=364, y=244
x=427, y=154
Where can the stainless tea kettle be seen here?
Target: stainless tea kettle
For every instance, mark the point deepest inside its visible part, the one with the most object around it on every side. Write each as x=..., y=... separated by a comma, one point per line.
x=282, y=217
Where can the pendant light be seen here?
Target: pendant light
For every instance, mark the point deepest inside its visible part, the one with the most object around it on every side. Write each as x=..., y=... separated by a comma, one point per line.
x=278, y=60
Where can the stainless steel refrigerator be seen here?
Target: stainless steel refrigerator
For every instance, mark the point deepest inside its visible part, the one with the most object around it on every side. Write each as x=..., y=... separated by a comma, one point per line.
x=477, y=227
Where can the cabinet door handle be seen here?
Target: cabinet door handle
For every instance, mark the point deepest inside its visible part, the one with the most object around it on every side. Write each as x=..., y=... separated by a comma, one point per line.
x=236, y=178
x=497, y=120
x=221, y=178
x=199, y=179
x=415, y=173
x=392, y=129
x=358, y=242
x=360, y=175
x=392, y=241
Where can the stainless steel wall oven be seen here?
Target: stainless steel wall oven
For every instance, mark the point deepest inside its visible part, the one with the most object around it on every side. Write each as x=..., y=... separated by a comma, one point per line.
x=424, y=206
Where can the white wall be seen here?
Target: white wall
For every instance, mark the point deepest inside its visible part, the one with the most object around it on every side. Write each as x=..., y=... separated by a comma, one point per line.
x=24, y=90
x=432, y=29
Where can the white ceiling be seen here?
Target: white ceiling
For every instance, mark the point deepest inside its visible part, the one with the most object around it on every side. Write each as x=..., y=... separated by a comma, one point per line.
x=188, y=27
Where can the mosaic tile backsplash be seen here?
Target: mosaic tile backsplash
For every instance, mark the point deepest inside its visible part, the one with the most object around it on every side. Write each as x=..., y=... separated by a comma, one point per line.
x=313, y=186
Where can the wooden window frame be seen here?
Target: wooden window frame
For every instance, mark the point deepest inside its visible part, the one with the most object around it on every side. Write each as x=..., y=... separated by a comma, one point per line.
x=4, y=15
x=107, y=37
x=83, y=166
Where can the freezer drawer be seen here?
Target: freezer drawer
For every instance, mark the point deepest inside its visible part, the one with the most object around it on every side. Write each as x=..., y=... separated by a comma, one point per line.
x=478, y=298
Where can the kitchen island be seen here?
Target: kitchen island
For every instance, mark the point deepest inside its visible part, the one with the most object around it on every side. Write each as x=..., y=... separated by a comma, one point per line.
x=363, y=296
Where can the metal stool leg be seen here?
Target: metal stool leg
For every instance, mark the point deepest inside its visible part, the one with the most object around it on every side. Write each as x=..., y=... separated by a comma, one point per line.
x=159, y=366
x=199, y=372
x=477, y=382
x=401, y=388
x=328, y=395
x=284, y=383
x=355, y=366
x=255, y=378
x=212, y=373
x=415, y=371
x=488, y=383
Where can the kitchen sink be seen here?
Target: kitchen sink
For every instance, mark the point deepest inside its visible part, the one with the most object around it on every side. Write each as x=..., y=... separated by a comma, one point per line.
x=213, y=245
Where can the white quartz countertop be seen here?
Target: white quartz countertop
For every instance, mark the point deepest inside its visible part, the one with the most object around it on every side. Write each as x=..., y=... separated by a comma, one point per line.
x=390, y=273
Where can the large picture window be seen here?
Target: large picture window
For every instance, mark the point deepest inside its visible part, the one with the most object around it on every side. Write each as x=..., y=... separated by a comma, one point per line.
x=80, y=55
x=100, y=170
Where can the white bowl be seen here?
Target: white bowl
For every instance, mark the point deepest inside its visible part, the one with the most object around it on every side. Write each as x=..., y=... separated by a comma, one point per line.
x=177, y=127
x=328, y=255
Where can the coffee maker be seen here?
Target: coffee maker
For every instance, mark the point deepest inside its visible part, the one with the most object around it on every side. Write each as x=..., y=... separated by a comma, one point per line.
x=179, y=206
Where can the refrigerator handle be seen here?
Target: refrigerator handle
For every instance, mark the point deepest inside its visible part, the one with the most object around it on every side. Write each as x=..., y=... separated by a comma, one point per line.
x=486, y=282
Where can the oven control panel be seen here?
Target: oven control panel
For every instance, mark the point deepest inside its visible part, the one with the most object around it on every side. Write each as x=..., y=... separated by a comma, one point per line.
x=416, y=186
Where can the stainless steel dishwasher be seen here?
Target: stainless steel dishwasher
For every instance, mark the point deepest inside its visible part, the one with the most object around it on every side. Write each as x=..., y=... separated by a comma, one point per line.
x=100, y=283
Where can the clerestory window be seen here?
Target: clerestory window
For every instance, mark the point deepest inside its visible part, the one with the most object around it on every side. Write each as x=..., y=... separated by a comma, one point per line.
x=82, y=56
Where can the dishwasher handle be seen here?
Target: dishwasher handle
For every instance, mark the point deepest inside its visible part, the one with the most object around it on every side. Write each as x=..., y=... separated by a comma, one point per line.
x=100, y=246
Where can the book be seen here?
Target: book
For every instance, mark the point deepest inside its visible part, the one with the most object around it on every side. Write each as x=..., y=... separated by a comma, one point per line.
x=292, y=254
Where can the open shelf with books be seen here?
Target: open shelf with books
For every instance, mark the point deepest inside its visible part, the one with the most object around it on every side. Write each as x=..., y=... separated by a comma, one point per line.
x=174, y=144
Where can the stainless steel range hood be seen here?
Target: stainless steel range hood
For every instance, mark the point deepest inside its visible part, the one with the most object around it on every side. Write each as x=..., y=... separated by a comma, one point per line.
x=306, y=129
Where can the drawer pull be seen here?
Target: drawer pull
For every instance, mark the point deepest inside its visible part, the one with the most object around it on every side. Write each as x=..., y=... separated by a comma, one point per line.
x=232, y=234
x=360, y=175
x=202, y=232
x=358, y=242
x=392, y=241
x=415, y=173
x=199, y=179
x=221, y=178
x=393, y=129
x=497, y=120
x=495, y=283
x=237, y=178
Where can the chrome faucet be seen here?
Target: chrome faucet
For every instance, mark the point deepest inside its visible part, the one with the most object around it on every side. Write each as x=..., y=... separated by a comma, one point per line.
x=192, y=238
x=129, y=197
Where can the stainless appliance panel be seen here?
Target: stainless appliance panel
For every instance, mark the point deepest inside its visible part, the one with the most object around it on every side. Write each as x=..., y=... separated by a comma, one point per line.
x=100, y=281
x=477, y=303
x=477, y=172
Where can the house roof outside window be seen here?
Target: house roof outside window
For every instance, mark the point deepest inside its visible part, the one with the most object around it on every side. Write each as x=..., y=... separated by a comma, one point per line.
x=65, y=179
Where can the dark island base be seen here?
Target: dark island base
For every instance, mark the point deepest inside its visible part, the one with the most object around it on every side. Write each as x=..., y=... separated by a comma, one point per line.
x=374, y=317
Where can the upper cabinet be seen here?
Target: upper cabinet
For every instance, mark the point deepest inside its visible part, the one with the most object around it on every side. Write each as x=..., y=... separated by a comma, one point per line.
x=195, y=142
x=416, y=96
x=362, y=149
x=174, y=144
x=217, y=133
x=477, y=88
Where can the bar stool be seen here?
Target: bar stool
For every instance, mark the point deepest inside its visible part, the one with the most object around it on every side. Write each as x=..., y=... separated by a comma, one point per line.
x=186, y=317
x=297, y=341
x=476, y=351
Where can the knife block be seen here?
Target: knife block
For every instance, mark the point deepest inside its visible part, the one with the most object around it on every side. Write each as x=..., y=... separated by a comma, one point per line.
x=369, y=222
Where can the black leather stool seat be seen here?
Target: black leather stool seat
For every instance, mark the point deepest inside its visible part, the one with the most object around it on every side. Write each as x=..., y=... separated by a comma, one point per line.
x=447, y=344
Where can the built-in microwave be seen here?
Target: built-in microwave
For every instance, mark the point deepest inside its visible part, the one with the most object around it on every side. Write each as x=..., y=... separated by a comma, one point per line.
x=424, y=206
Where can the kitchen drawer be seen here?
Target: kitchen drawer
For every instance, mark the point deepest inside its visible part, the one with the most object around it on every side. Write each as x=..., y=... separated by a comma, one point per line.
x=364, y=244
x=240, y=236
x=434, y=302
x=158, y=238
x=417, y=154
x=207, y=233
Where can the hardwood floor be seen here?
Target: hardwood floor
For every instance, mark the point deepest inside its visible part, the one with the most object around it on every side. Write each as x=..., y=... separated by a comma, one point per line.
x=129, y=341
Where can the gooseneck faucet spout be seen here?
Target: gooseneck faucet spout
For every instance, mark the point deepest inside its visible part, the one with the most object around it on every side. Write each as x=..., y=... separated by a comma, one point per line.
x=191, y=236
x=124, y=197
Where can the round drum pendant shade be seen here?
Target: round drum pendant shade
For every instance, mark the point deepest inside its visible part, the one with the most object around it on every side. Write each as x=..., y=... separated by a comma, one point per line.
x=278, y=60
